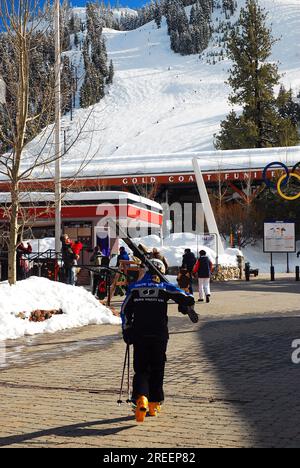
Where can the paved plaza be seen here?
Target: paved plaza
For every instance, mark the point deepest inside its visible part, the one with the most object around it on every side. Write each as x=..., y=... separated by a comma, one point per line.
x=230, y=380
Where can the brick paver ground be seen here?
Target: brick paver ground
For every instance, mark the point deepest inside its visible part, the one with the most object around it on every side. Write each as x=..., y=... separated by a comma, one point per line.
x=229, y=380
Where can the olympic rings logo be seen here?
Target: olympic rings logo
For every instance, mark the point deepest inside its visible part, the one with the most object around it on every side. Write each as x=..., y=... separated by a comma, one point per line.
x=283, y=181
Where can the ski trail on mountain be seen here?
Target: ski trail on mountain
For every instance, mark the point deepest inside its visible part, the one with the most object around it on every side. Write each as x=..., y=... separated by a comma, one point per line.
x=161, y=102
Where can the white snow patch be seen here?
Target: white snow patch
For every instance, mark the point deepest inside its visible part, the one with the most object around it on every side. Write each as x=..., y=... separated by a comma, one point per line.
x=79, y=306
x=258, y=259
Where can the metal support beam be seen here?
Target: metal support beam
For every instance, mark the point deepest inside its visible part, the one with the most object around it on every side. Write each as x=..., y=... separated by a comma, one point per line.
x=208, y=211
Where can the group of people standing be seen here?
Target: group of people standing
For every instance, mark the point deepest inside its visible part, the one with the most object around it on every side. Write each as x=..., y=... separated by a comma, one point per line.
x=192, y=267
x=201, y=269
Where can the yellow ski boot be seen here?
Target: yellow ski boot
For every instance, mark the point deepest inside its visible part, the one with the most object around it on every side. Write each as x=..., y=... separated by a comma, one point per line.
x=154, y=408
x=141, y=408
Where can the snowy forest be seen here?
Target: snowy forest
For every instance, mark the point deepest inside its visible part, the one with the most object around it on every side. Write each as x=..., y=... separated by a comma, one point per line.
x=88, y=81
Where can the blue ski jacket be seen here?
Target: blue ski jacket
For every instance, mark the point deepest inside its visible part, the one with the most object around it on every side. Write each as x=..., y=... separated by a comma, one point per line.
x=144, y=311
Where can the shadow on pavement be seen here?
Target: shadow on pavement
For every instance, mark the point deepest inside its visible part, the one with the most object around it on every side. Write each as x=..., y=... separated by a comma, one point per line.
x=279, y=286
x=74, y=430
x=252, y=359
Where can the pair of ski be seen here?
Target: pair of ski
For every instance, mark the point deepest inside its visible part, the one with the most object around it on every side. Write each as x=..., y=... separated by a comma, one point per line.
x=141, y=255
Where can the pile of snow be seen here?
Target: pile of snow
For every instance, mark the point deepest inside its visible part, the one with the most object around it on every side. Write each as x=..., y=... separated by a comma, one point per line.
x=174, y=246
x=258, y=259
x=79, y=306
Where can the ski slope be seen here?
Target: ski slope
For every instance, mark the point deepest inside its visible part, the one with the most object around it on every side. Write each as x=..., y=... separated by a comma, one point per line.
x=161, y=103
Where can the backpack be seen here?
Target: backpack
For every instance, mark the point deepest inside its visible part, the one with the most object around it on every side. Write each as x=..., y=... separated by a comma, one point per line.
x=183, y=279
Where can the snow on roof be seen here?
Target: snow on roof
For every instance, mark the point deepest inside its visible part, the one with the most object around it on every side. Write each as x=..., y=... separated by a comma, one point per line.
x=210, y=161
x=174, y=163
x=27, y=197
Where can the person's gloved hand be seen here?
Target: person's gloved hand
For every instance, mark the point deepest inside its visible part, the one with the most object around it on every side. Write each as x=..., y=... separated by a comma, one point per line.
x=128, y=335
x=188, y=310
x=192, y=315
x=183, y=309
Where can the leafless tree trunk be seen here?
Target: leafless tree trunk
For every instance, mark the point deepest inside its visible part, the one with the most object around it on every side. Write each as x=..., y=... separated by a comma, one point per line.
x=21, y=19
x=17, y=22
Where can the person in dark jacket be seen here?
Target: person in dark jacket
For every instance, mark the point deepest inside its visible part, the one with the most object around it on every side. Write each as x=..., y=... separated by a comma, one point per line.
x=123, y=255
x=203, y=270
x=188, y=262
x=22, y=262
x=96, y=260
x=4, y=262
x=145, y=325
x=69, y=259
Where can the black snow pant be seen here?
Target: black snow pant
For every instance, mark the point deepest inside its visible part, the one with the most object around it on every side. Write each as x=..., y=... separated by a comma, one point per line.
x=96, y=280
x=149, y=358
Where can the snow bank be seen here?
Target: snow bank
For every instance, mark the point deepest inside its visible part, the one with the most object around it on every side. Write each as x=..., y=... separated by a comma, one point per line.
x=42, y=245
x=79, y=306
x=258, y=259
x=174, y=246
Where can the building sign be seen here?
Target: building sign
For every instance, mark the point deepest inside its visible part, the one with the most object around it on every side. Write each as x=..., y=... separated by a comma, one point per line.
x=280, y=237
x=190, y=178
x=163, y=179
x=206, y=240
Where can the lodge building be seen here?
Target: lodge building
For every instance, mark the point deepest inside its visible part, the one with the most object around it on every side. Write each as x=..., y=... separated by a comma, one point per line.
x=169, y=177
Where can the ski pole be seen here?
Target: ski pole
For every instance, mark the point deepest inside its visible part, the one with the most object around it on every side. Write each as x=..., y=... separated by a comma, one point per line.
x=123, y=375
x=128, y=376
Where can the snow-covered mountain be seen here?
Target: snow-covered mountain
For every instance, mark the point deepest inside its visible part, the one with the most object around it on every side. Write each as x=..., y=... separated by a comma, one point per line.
x=117, y=12
x=162, y=102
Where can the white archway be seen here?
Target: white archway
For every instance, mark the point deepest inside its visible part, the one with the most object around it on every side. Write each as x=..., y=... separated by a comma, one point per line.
x=207, y=208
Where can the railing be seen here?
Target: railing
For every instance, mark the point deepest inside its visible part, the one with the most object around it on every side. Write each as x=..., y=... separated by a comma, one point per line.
x=48, y=264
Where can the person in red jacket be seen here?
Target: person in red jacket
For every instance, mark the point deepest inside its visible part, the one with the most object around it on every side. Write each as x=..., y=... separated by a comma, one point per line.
x=77, y=247
x=203, y=270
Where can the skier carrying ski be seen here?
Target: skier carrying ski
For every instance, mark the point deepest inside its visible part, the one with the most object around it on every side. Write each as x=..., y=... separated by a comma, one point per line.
x=145, y=325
